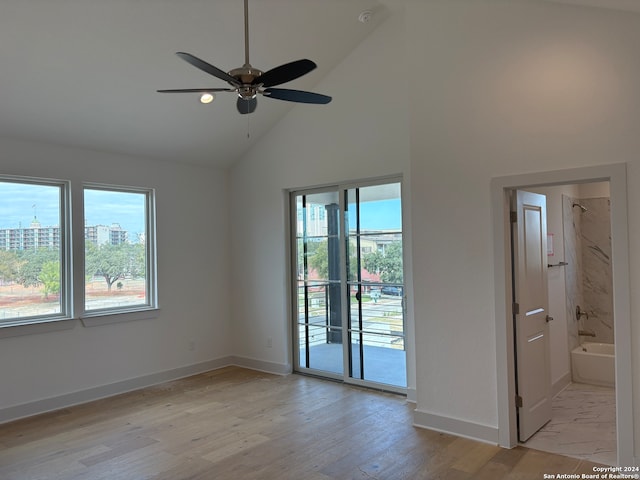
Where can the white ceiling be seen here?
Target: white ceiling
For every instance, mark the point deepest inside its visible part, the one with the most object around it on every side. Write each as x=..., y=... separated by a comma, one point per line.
x=85, y=72
x=625, y=5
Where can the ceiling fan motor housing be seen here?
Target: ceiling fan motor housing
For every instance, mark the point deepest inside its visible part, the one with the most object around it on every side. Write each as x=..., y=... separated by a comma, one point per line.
x=246, y=75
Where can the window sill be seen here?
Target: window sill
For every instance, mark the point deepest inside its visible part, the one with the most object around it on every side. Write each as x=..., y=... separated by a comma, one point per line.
x=34, y=327
x=96, y=319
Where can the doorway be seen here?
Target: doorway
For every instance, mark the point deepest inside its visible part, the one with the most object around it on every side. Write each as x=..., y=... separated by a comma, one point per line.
x=348, y=291
x=576, y=264
x=507, y=407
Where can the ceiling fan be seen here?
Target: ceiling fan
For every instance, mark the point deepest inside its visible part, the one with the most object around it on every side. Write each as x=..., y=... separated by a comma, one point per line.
x=247, y=82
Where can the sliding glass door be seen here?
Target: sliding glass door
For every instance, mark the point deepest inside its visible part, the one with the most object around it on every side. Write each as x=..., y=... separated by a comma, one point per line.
x=349, y=290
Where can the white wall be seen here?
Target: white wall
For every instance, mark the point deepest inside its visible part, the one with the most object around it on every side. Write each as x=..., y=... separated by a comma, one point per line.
x=495, y=88
x=192, y=218
x=362, y=134
x=508, y=87
x=593, y=190
x=447, y=94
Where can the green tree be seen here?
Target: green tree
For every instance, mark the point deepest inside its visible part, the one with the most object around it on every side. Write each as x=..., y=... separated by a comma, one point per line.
x=319, y=259
x=114, y=262
x=10, y=265
x=31, y=263
x=388, y=264
x=137, y=260
x=50, y=278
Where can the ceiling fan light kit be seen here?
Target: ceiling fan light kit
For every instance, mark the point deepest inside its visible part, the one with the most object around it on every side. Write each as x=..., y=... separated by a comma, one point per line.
x=247, y=82
x=207, y=97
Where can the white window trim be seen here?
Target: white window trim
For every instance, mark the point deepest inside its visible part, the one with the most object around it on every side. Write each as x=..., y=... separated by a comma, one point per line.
x=106, y=316
x=39, y=323
x=72, y=275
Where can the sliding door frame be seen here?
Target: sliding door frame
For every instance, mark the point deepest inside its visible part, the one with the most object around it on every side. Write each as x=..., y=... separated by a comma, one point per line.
x=341, y=189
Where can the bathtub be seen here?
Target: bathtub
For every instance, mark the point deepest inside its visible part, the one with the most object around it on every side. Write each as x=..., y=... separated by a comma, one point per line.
x=594, y=363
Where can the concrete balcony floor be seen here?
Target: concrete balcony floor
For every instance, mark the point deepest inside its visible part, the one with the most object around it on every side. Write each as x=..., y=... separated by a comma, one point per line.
x=381, y=364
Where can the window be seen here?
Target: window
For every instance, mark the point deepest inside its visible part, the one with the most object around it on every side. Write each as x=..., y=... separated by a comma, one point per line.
x=118, y=246
x=34, y=260
x=36, y=264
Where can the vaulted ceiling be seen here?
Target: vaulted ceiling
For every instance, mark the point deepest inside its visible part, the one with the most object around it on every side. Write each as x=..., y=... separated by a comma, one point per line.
x=85, y=72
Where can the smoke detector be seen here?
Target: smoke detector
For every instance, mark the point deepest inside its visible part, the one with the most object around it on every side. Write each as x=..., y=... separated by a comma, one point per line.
x=365, y=16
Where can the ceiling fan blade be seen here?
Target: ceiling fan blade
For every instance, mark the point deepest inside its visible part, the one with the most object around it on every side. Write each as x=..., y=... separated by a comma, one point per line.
x=296, y=96
x=196, y=90
x=210, y=69
x=246, y=106
x=285, y=73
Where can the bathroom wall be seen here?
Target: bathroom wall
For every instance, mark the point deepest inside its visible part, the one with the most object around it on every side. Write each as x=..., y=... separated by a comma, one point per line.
x=573, y=271
x=588, y=275
x=597, y=284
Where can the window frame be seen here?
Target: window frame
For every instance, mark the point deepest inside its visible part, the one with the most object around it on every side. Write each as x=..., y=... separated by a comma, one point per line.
x=109, y=315
x=72, y=262
x=8, y=327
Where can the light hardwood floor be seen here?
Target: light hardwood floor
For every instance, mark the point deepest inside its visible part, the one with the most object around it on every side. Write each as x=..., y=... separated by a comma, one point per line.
x=239, y=424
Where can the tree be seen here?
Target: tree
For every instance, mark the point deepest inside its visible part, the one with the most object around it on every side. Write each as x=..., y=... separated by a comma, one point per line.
x=319, y=260
x=388, y=264
x=114, y=262
x=137, y=260
x=31, y=263
x=10, y=265
x=50, y=278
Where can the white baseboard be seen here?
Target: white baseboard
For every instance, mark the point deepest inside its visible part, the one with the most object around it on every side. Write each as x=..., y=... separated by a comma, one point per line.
x=453, y=426
x=412, y=395
x=560, y=384
x=69, y=399
x=261, y=365
x=16, y=412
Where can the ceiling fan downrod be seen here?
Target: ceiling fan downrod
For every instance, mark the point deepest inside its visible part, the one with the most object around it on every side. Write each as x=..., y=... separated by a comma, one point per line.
x=246, y=75
x=246, y=34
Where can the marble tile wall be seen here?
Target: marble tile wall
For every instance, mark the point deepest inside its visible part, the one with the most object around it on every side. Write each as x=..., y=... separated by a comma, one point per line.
x=588, y=275
x=597, y=275
x=573, y=271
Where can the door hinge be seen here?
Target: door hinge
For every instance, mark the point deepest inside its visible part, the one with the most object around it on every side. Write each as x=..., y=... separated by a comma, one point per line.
x=519, y=401
x=514, y=217
x=516, y=308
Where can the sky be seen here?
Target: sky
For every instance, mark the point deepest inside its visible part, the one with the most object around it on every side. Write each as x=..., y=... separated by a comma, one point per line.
x=20, y=202
x=105, y=207
x=378, y=215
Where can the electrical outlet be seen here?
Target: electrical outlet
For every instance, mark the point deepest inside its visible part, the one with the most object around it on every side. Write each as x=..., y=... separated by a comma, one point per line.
x=192, y=345
x=269, y=342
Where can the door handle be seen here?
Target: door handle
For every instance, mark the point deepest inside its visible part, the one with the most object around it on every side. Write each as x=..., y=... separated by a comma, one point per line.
x=549, y=318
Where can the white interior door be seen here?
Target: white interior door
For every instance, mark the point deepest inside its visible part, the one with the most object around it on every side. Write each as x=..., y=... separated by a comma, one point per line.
x=531, y=314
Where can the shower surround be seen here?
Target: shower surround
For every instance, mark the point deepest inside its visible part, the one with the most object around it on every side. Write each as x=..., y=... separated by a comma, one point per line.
x=588, y=275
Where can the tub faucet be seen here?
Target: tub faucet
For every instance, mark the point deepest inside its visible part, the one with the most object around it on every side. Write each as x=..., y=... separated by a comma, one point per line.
x=586, y=333
x=580, y=313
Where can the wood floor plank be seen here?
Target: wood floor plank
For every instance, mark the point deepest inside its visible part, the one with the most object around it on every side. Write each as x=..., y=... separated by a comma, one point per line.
x=476, y=457
x=239, y=424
